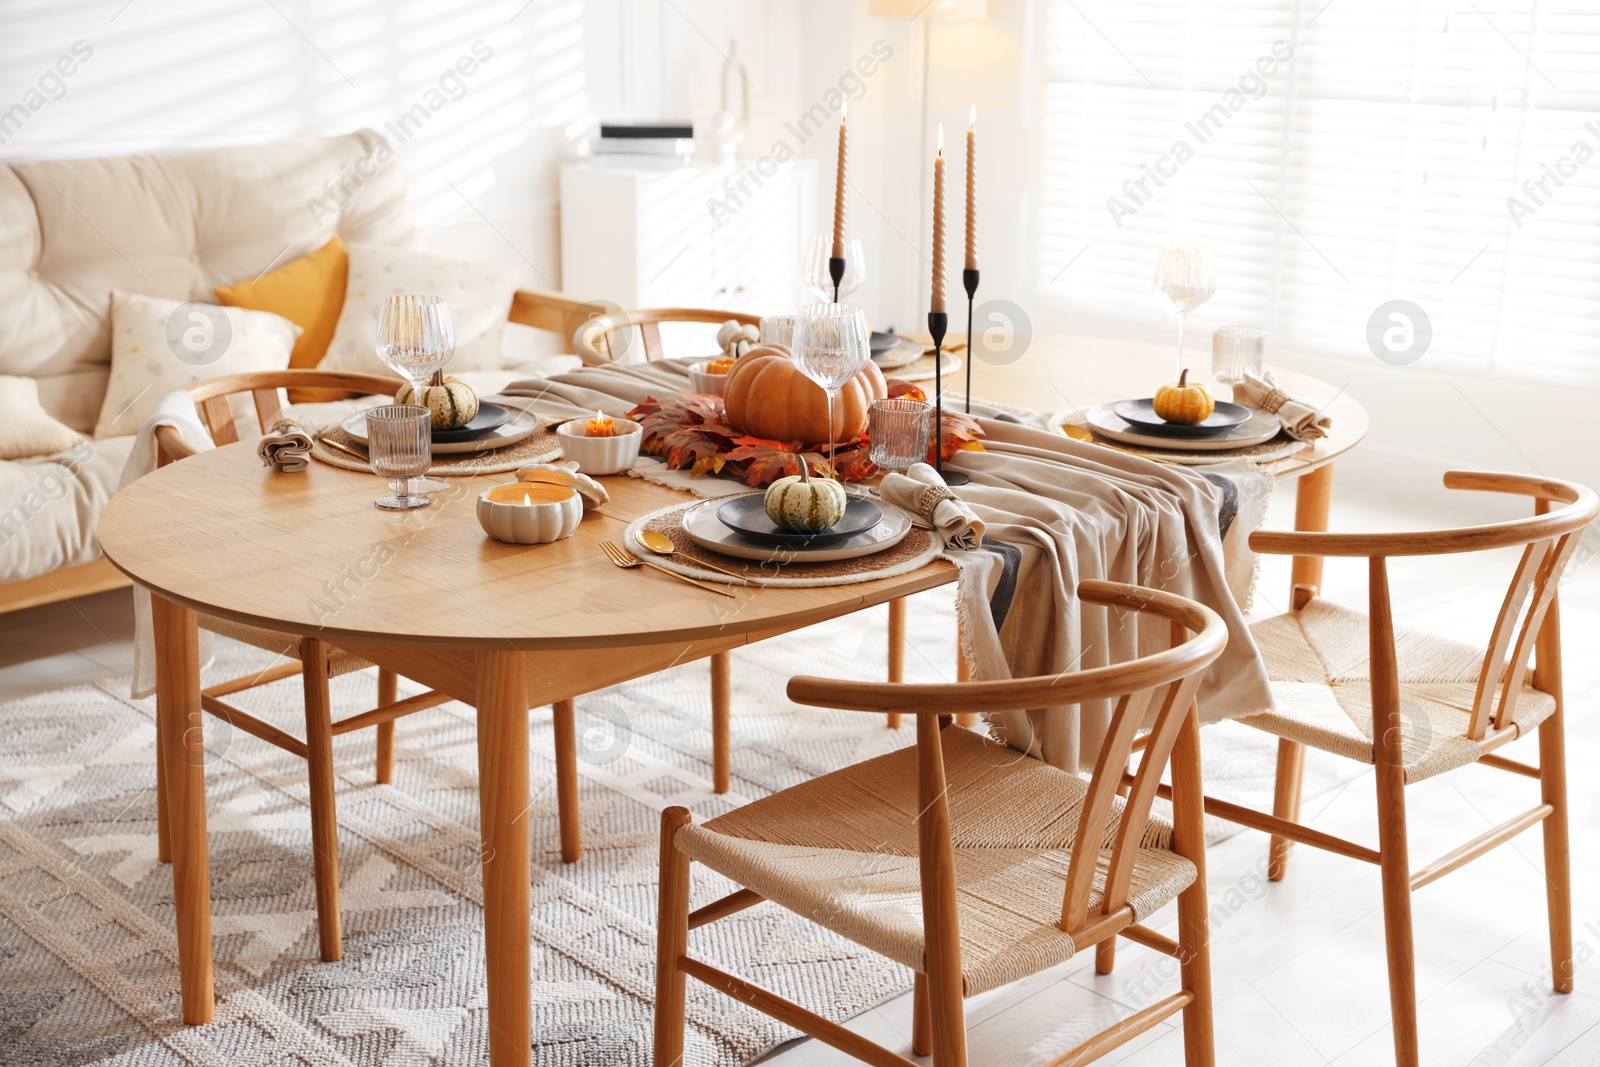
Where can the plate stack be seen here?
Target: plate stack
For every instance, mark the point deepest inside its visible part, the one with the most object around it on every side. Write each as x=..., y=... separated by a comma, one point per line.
x=740, y=528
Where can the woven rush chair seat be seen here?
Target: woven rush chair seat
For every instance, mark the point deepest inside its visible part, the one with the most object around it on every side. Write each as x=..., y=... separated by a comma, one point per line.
x=287, y=645
x=1317, y=660
x=842, y=850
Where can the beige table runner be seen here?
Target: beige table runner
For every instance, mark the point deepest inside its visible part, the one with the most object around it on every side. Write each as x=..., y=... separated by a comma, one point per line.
x=1076, y=511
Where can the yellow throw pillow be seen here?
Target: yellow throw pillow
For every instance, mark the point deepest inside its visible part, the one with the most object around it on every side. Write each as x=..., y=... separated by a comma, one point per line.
x=309, y=292
x=26, y=429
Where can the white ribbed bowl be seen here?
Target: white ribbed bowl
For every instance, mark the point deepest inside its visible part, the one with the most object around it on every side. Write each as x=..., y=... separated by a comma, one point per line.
x=601, y=455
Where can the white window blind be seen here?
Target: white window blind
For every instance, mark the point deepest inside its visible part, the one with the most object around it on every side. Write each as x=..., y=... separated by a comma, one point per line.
x=1375, y=163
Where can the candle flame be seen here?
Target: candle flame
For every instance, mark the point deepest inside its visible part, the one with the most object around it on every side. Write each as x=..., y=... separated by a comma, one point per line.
x=527, y=500
x=973, y=121
x=844, y=112
x=599, y=416
x=941, y=138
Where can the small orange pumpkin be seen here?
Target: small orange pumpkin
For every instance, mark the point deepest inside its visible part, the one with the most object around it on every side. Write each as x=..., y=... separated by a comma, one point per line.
x=767, y=396
x=1185, y=404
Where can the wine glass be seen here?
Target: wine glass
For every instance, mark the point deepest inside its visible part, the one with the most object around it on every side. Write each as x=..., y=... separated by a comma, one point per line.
x=415, y=338
x=817, y=276
x=1188, y=277
x=400, y=447
x=834, y=343
x=897, y=430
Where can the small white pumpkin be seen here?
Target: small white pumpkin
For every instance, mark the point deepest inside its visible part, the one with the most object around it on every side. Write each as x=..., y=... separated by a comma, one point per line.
x=805, y=504
x=735, y=339
x=450, y=401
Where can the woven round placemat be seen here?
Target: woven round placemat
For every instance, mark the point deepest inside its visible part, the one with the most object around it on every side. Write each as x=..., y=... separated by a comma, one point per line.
x=542, y=447
x=917, y=549
x=1073, y=425
x=922, y=369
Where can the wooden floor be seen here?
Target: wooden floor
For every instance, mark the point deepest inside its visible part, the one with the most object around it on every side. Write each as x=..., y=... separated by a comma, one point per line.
x=1299, y=966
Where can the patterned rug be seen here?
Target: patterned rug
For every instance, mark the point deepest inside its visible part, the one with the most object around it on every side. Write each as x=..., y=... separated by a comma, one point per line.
x=87, y=949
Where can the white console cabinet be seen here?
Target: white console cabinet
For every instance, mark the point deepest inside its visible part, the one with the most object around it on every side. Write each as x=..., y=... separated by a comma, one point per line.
x=687, y=235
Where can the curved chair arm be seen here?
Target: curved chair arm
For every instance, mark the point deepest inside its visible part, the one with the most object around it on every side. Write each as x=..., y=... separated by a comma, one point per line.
x=586, y=335
x=1579, y=510
x=1097, y=683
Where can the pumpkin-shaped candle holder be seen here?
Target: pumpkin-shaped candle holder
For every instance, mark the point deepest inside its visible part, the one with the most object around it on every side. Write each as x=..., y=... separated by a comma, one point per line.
x=529, y=513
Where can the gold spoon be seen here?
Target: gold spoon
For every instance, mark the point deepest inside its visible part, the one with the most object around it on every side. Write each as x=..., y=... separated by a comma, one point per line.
x=662, y=545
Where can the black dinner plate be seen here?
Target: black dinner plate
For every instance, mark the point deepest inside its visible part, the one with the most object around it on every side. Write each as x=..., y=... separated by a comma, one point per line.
x=490, y=417
x=748, y=516
x=881, y=342
x=1142, y=413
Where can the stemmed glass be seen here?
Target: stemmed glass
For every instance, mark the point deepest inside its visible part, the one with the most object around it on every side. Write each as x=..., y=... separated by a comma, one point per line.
x=834, y=343
x=897, y=432
x=817, y=276
x=415, y=338
x=1188, y=277
x=400, y=447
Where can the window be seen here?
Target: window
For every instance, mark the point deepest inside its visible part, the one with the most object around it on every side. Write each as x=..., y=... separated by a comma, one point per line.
x=1337, y=155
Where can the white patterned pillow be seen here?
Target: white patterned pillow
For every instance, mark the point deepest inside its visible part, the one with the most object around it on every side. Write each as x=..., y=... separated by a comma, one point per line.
x=159, y=346
x=479, y=296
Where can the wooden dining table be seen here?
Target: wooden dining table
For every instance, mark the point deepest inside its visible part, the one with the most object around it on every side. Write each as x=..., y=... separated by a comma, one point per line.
x=501, y=627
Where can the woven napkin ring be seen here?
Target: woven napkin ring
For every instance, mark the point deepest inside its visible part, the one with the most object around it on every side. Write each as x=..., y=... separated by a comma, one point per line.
x=1274, y=400
x=929, y=499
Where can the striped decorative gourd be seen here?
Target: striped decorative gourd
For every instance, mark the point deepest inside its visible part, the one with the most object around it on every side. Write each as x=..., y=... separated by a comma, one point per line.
x=450, y=401
x=805, y=504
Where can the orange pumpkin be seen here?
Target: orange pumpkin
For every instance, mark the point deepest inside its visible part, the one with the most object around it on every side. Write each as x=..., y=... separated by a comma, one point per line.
x=767, y=396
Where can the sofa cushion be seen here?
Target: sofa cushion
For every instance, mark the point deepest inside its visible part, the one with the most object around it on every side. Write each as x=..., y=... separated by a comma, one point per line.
x=26, y=429
x=479, y=296
x=308, y=291
x=160, y=346
x=49, y=506
x=174, y=225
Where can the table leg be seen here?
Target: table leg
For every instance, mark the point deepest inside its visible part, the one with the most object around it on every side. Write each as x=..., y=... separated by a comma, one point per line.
x=503, y=801
x=181, y=736
x=897, y=649
x=1312, y=500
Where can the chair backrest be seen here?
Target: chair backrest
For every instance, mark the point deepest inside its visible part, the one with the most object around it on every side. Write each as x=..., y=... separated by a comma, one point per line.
x=1527, y=625
x=1168, y=679
x=593, y=343
x=211, y=400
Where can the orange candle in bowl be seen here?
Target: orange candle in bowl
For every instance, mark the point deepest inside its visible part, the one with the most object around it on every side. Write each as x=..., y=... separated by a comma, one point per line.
x=600, y=426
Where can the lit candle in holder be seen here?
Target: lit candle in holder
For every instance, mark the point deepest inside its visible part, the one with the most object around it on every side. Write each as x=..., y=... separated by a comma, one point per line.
x=972, y=190
x=936, y=299
x=838, y=183
x=600, y=426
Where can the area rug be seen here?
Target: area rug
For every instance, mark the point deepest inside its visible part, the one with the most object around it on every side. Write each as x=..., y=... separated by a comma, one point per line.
x=87, y=949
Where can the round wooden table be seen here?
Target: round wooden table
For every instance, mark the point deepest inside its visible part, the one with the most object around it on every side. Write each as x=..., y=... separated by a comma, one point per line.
x=502, y=627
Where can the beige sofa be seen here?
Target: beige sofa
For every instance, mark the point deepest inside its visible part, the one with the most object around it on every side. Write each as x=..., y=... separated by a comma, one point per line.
x=174, y=225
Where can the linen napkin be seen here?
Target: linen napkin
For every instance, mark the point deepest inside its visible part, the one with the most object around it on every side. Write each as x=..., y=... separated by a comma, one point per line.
x=1301, y=420
x=923, y=492
x=286, y=447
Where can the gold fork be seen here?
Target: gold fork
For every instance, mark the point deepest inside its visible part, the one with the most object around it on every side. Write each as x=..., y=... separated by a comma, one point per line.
x=627, y=561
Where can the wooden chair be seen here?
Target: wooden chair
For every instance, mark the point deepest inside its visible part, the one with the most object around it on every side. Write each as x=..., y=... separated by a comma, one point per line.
x=592, y=339
x=905, y=854
x=313, y=659
x=1415, y=705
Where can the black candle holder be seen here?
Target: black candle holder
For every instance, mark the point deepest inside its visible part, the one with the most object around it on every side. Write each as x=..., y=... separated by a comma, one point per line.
x=969, y=279
x=836, y=272
x=938, y=323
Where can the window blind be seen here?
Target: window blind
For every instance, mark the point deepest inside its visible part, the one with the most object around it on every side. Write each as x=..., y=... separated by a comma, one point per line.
x=1335, y=156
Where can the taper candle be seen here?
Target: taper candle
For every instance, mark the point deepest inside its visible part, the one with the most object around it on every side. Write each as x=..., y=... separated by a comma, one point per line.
x=838, y=183
x=972, y=190
x=936, y=298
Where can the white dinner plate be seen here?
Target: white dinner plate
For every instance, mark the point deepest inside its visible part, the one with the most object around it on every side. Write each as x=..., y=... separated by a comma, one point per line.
x=902, y=353
x=521, y=426
x=706, y=530
x=1262, y=426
